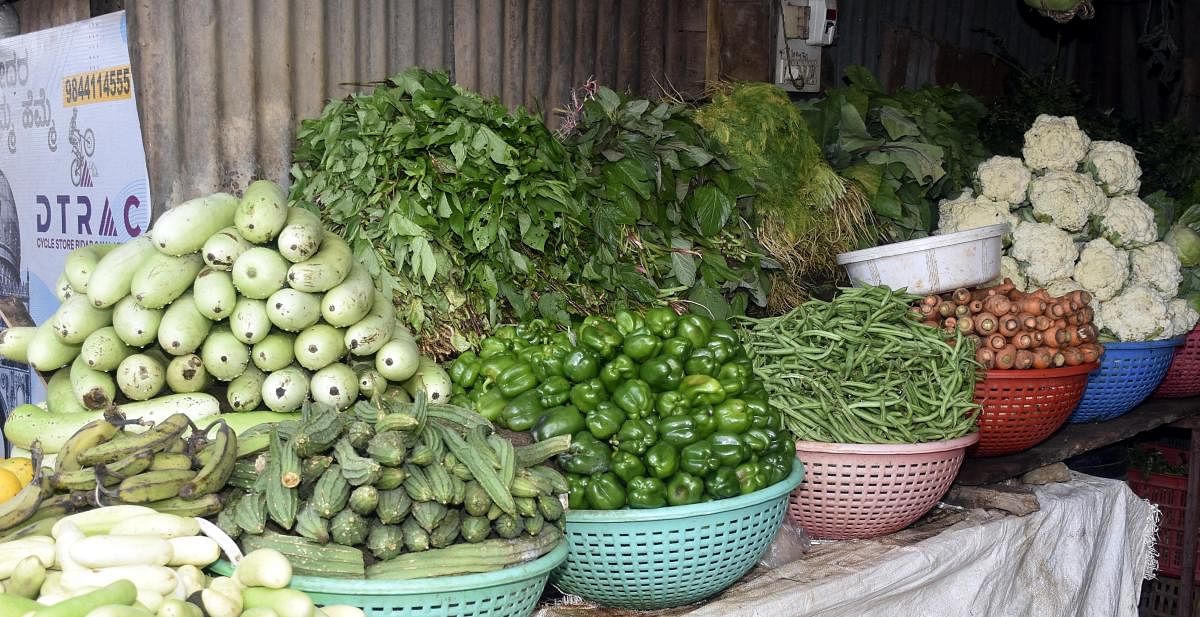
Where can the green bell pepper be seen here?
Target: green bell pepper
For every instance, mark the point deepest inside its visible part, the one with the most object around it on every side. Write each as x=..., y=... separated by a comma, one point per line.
x=695, y=328
x=705, y=423
x=492, y=366
x=701, y=362
x=722, y=330
x=640, y=345
x=491, y=347
x=727, y=449
x=663, y=373
x=618, y=370
x=577, y=495
x=522, y=412
x=554, y=391
x=702, y=389
x=758, y=409
x=696, y=458
x=661, y=321
x=662, y=460
x=586, y=455
x=516, y=379
x=627, y=322
x=722, y=482
x=605, y=492
x=677, y=430
x=750, y=477
x=548, y=363
x=776, y=466
x=627, y=465
x=685, y=488
x=677, y=347
x=580, y=365
x=647, y=492
x=465, y=370
x=732, y=416
x=564, y=420
x=605, y=420
x=636, y=436
x=601, y=338
x=491, y=404
x=734, y=376
x=721, y=350
x=758, y=440
x=588, y=395
x=670, y=404
x=635, y=397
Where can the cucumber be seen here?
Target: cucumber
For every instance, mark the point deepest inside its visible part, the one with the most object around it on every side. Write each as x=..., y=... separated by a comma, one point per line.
x=284, y=390
x=93, y=389
x=399, y=359
x=76, y=318
x=199, y=551
x=245, y=391
x=182, y=328
x=274, y=351
x=136, y=324
x=114, y=272
x=335, y=385
x=103, y=350
x=319, y=346
x=375, y=329
x=224, y=356
x=350, y=300
x=63, y=289
x=262, y=212
x=60, y=396
x=186, y=227
x=285, y=602
x=106, y=551
x=293, y=310
x=47, y=352
x=81, y=263
x=163, y=278
x=214, y=294
x=301, y=235
x=120, y=592
x=249, y=321
x=140, y=377
x=431, y=379
x=259, y=272
x=324, y=270
x=264, y=567
x=186, y=374
x=223, y=248
x=243, y=421
x=14, y=343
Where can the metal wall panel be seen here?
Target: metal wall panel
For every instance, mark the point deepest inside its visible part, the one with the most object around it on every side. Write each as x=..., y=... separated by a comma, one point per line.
x=41, y=14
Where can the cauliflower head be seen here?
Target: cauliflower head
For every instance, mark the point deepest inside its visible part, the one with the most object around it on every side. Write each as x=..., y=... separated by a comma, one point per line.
x=1003, y=178
x=964, y=212
x=1139, y=313
x=1127, y=222
x=1182, y=316
x=1011, y=270
x=1062, y=287
x=1055, y=143
x=1116, y=167
x=1102, y=268
x=1156, y=265
x=1045, y=252
x=1065, y=198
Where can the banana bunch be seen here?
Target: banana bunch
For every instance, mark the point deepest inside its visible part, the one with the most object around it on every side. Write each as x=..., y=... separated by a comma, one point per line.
x=166, y=468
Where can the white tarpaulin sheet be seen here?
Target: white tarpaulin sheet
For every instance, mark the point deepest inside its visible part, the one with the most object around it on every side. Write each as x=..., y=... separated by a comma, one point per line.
x=1085, y=553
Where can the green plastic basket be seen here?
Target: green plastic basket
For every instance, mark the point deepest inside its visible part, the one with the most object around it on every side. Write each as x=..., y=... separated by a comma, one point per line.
x=511, y=592
x=668, y=557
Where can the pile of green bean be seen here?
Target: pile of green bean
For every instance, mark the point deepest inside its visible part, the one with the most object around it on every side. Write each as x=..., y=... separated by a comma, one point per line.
x=863, y=369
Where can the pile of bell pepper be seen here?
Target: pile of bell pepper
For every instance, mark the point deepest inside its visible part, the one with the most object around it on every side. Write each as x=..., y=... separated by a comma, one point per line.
x=663, y=409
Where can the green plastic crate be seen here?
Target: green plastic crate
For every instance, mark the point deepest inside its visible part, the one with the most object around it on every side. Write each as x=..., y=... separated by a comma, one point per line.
x=511, y=592
x=667, y=557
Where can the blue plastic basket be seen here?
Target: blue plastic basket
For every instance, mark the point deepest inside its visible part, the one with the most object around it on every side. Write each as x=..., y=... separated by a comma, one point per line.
x=1128, y=373
x=667, y=557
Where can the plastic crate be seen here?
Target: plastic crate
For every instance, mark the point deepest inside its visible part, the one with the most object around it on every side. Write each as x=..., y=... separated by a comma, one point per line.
x=1169, y=493
x=1021, y=408
x=1183, y=376
x=1128, y=373
x=1160, y=598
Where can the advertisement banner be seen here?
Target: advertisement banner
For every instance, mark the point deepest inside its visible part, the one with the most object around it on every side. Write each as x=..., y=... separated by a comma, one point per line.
x=72, y=165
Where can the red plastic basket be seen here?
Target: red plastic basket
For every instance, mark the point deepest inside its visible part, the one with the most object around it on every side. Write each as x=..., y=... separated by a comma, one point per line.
x=1021, y=408
x=1170, y=494
x=1183, y=376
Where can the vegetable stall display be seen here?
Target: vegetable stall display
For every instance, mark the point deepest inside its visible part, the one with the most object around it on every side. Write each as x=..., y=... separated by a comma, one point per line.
x=662, y=409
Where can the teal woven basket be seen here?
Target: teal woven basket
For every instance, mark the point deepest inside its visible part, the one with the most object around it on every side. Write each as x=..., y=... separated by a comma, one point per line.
x=667, y=557
x=511, y=592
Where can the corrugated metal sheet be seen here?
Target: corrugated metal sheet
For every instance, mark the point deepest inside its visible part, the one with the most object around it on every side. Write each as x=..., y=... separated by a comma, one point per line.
x=42, y=14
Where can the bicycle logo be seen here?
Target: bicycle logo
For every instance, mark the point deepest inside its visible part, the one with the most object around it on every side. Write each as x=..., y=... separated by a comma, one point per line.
x=83, y=146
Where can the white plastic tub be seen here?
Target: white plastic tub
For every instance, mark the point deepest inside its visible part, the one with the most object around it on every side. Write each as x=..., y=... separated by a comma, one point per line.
x=930, y=265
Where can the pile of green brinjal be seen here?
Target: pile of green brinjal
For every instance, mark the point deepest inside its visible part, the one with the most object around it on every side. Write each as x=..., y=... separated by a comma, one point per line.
x=663, y=409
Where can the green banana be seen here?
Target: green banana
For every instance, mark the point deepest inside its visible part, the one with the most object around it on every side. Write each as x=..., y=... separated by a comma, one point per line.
x=89, y=435
x=205, y=505
x=219, y=466
x=22, y=506
x=170, y=460
x=158, y=438
x=85, y=479
x=153, y=485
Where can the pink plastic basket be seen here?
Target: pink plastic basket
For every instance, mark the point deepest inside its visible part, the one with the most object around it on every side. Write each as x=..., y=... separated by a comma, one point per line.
x=1183, y=376
x=868, y=490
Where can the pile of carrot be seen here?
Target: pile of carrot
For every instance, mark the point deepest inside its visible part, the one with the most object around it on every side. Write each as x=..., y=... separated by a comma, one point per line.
x=1012, y=329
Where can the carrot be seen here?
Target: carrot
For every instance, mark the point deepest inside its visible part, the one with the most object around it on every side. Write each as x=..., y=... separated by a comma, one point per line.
x=1061, y=323
x=966, y=325
x=1054, y=337
x=1087, y=315
x=1028, y=321
x=946, y=309
x=1022, y=341
x=962, y=310
x=1090, y=351
x=996, y=305
x=1038, y=337
x=925, y=310
x=1088, y=333
x=1057, y=310
x=931, y=300
x=1009, y=326
x=1073, y=338
x=976, y=306
x=1024, y=359
x=1005, y=358
x=960, y=296
x=997, y=341
x=1042, y=358
x=985, y=357
x=1042, y=322
x=985, y=323
x=1072, y=356
x=1033, y=306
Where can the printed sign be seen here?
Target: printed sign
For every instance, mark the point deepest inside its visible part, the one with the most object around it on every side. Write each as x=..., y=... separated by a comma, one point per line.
x=72, y=165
